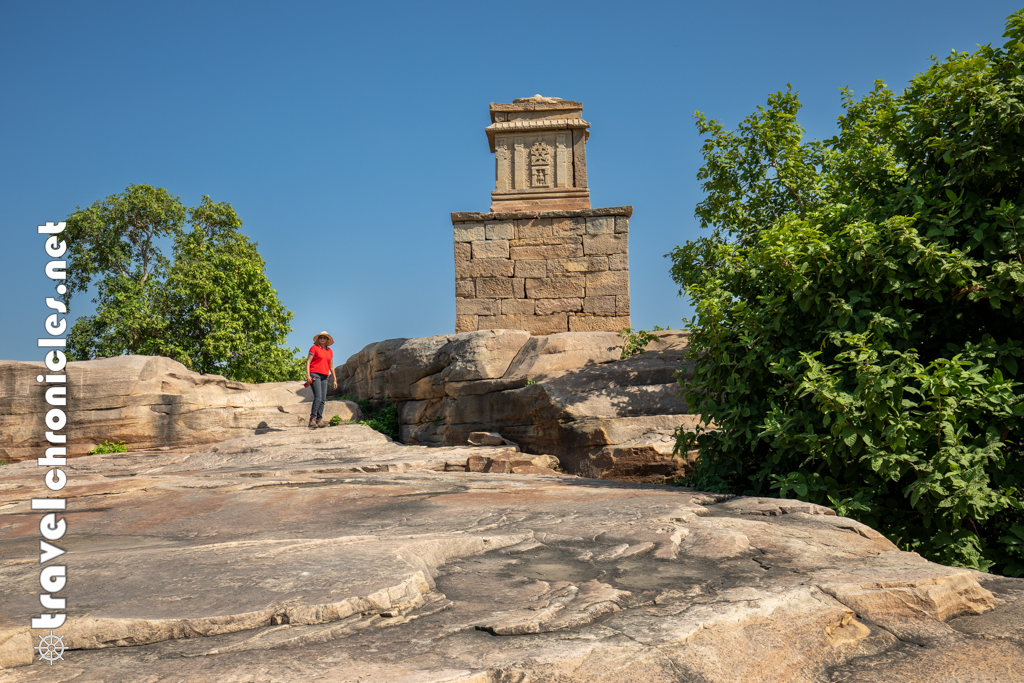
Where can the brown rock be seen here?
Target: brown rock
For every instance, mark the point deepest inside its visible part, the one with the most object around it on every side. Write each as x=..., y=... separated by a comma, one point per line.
x=603, y=417
x=490, y=249
x=469, y=232
x=477, y=306
x=545, y=324
x=507, y=462
x=531, y=269
x=546, y=252
x=601, y=225
x=336, y=555
x=618, y=262
x=563, y=287
x=533, y=227
x=596, y=245
x=546, y=306
x=146, y=402
x=501, y=322
x=485, y=439
x=494, y=287
x=594, y=323
x=576, y=266
x=569, y=226
x=611, y=283
x=531, y=469
x=518, y=307
x=599, y=305
x=500, y=230
x=490, y=267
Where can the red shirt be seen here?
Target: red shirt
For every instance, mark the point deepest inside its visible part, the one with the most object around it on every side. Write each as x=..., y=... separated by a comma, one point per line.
x=323, y=360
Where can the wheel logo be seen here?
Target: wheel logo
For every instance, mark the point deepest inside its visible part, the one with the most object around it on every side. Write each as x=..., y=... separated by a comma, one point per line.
x=51, y=648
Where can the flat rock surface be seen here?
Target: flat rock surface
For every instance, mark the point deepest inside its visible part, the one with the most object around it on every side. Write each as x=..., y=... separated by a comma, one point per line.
x=337, y=555
x=147, y=402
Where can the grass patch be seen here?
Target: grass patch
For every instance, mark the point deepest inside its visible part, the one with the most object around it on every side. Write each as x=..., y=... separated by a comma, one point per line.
x=109, y=447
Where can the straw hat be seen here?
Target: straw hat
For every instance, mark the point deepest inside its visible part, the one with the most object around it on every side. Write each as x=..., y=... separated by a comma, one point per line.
x=330, y=339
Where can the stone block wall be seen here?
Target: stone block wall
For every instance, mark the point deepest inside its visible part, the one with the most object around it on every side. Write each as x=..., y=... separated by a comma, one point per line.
x=542, y=271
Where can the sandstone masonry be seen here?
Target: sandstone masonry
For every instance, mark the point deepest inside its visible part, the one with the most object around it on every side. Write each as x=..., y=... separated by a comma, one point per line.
x=542, y=260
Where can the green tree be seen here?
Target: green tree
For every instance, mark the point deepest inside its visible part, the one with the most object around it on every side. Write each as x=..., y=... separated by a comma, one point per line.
x=860, y=302
x=211, y=308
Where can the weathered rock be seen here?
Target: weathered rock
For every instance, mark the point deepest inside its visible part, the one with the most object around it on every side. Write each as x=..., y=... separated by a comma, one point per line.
x=485, y=439
x=337, y=555
x=147, y=402
x=566, y=394
x=533, y=469
x=503, y=463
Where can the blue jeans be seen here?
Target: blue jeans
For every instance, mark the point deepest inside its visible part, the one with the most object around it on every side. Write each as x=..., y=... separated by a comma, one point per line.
x=319, y=395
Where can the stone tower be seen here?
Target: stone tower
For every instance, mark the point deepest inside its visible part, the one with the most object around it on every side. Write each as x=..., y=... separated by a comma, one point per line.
x=542, y=260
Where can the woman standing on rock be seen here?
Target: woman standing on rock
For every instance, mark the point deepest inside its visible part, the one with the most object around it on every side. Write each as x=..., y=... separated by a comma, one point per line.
x=320, y=366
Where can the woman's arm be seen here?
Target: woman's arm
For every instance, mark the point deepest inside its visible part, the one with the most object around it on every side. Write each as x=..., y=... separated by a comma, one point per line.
x=309, y=359
x=334, y=376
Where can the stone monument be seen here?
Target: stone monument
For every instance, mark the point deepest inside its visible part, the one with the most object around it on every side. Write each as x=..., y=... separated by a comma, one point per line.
x=541, y=260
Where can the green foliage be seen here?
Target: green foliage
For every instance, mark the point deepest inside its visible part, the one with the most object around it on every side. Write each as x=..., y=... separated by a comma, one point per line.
x=859, y=304
x=364, y=404
x=384, y=420
x=379, y=415
x=636, y=342
x=335, y=420
x=211, y=308
x=109, y=447
x=530, y=382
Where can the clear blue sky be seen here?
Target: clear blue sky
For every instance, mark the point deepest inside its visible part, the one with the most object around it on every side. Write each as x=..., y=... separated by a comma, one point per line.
x=345, y=133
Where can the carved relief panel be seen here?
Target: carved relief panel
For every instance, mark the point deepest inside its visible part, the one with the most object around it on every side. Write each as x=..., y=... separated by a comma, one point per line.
x=540, y=164
x=503, y=165
x=533, y=162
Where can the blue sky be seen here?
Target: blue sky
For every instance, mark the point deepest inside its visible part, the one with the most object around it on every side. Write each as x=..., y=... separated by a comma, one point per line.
x=344, y=134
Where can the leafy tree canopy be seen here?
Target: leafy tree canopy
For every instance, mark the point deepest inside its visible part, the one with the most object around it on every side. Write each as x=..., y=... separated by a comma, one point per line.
x=211, y=307
x=860, y=307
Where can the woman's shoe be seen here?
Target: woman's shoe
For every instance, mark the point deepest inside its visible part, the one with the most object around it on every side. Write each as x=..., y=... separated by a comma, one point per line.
x=321, y=423
x=312, y=423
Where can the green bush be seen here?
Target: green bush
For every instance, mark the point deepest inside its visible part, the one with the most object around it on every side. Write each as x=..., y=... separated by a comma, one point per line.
x=364, y=404
x=335, y=420
x=384, y=421
x=379, y=415
x=109, y=447
x=859, y=307
x=636, y=342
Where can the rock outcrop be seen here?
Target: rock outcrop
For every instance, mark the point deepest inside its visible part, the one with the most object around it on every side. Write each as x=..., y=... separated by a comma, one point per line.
x=147, y=402
x=336, y=555
x=567, y=395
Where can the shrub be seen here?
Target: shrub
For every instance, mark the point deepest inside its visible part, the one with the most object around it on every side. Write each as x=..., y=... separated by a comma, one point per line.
x=859, y=307
x=384, y=421
x=379, y=415
x=636, y=342
x=335, y=420
x=109, y=447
